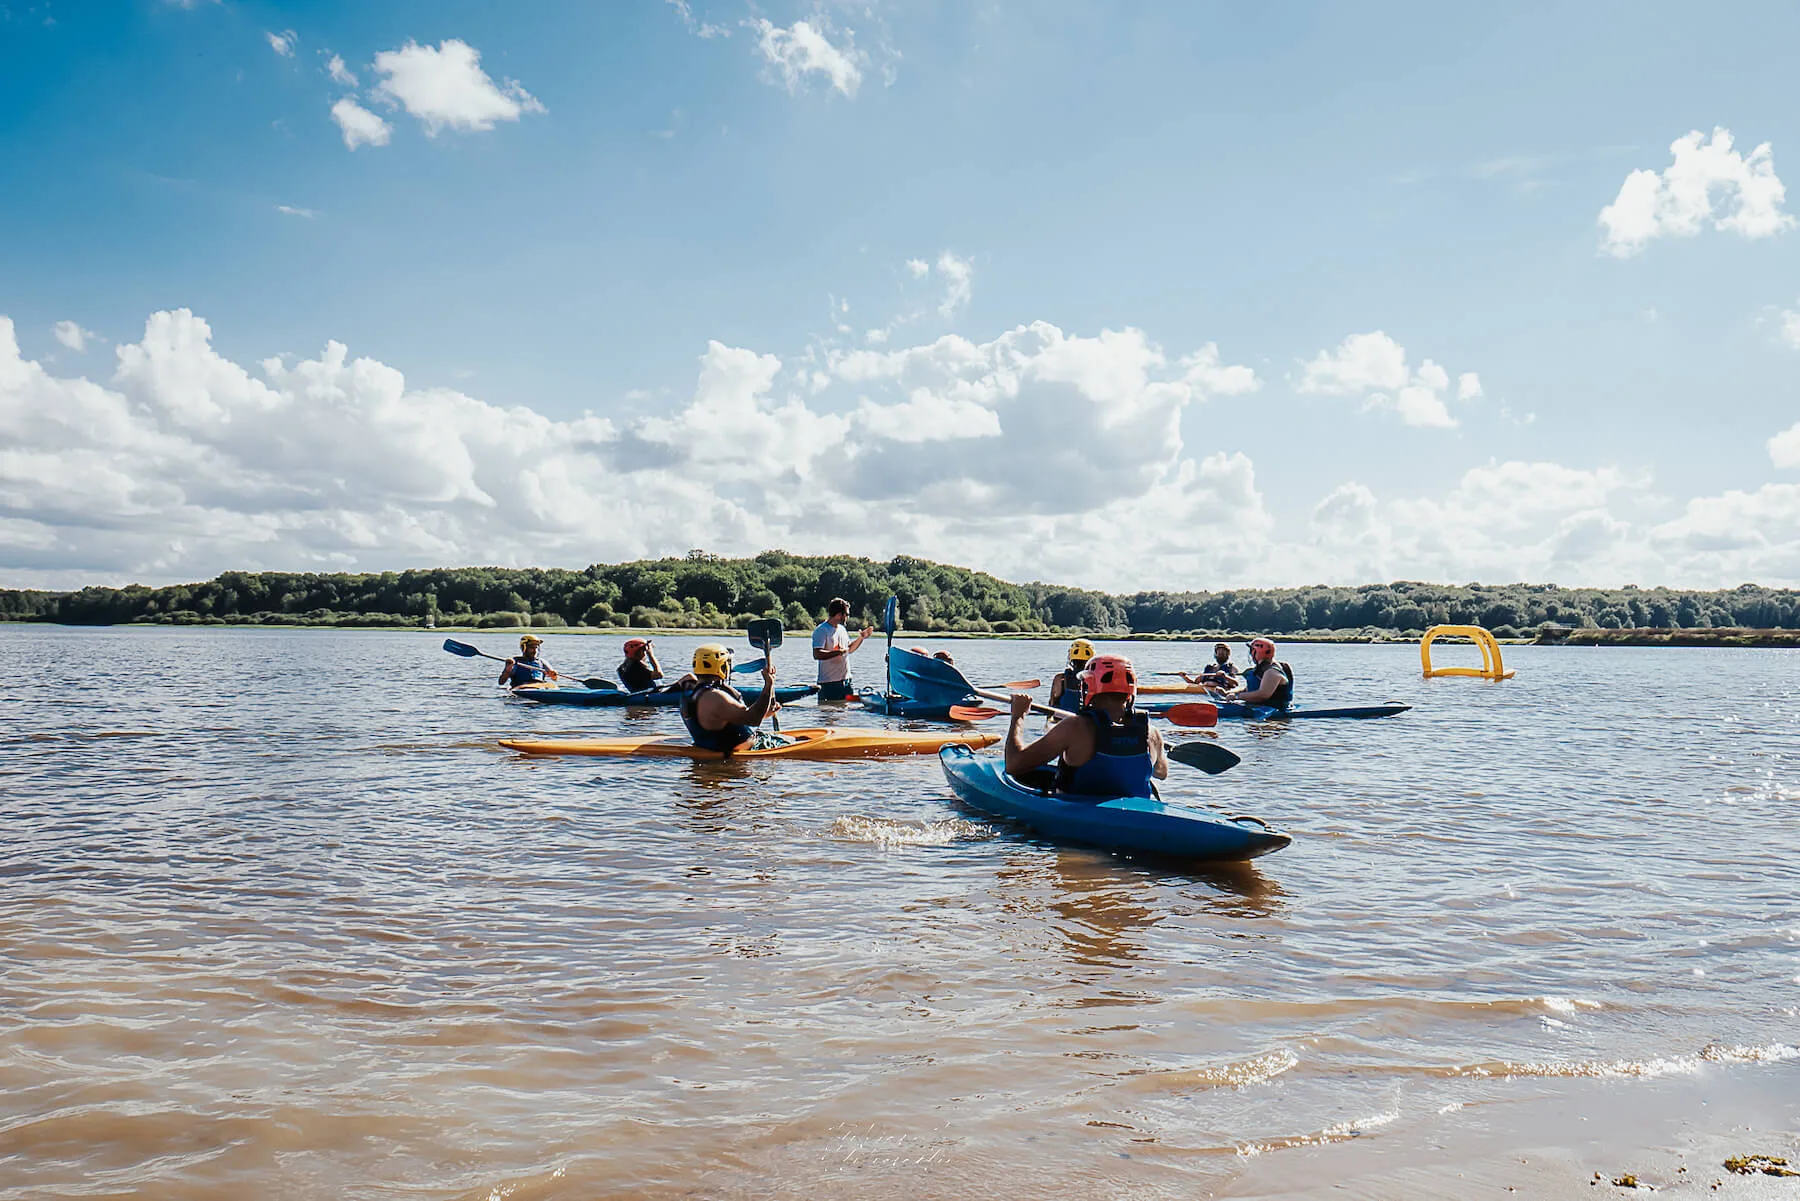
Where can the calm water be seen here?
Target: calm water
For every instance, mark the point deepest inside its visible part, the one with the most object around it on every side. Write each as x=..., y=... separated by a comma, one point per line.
x=278, y=918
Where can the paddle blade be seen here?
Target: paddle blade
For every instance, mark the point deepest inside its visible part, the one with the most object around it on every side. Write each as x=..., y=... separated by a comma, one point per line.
x=974, y=713
x=1022, y=685
x=746, y=668
x=461, y=648
x=601, y=685
x=890, y=616
x=764, y=634
x=1194, y=715
x=1209, y=757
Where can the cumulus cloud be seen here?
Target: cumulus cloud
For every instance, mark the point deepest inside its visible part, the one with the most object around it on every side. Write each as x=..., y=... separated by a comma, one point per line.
x=71, y=335
x=959, y=277
x=1708, y=182
x=283, y=43
x=1784, y=448
x=360, y=127
x=339, y=72
x=445, y=87
x=1374, y=366
x=801, y=50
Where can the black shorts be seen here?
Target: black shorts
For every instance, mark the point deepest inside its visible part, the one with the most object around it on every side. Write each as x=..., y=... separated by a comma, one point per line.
x=841, y=690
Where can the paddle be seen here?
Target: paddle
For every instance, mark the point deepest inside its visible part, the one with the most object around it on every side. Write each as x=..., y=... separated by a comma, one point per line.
x=974, y=713
x=890, y=621
x=1209, y=757
x=1196, y=714
x=765, y=635
x=468, y=652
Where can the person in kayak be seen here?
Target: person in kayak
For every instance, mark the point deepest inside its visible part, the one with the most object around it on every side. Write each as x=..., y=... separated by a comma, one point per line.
x=1220, y=673
x=715, y=713
x=832, y=648
x=639, y=670
x=525, y=667
x=1266, y=682
x=1107, y=749
x=1065, y=688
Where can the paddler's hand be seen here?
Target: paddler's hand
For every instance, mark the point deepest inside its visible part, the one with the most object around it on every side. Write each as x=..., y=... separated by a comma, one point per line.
x=768, y=670
x=1021, y=705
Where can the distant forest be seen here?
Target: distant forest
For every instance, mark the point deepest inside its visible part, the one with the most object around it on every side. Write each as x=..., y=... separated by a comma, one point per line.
x=705, y=591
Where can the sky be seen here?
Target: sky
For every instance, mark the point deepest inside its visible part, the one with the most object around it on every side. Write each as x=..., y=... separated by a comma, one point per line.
x=1180, y=296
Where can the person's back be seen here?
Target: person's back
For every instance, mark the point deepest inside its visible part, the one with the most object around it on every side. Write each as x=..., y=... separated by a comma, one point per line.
x=1108, y=749
x=639, y=670
x=1120, y=763
x=714, y=712
x=1065, y=688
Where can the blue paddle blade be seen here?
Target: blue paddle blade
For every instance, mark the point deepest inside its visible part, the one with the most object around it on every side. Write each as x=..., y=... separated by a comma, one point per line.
x=890, y=617
x=460, y=648
x=921, y=678
x=745, y=668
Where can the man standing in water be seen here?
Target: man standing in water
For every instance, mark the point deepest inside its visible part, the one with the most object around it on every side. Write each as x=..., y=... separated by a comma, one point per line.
x=832, y=647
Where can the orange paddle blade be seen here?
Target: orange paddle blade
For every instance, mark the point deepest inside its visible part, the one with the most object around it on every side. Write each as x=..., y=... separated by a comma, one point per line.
x=1022, y=685
x=1193, y=714
x=973, y=713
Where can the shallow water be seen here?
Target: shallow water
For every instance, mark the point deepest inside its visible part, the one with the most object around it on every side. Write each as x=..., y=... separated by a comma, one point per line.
x=279, y=918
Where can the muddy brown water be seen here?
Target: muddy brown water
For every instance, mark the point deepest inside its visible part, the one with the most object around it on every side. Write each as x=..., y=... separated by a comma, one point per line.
x=279, y=919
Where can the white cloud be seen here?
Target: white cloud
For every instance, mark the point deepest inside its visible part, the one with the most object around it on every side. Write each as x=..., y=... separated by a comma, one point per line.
x=959, y=275
x=919, y=268
x=445, y=87
x=1790, y=328
x=1036, y=454
x=1374, y=365
x=71, y=335
x=695, y=26
x=283, y=43
x=360, y=126
x=1708, y=181
x=294, y=211
x=340, y=73
x=802, y=49
x=1468, y=386
x=1784, y=448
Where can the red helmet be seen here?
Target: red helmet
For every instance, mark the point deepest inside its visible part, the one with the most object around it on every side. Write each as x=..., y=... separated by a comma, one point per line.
x=1260, y=647
x=634, y=647
x=1109, y=673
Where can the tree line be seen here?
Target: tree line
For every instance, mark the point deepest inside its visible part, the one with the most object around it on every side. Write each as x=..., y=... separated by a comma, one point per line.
x=701, y=590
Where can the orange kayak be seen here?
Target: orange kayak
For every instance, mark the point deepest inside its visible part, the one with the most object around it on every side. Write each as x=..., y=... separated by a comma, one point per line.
x=834, y=743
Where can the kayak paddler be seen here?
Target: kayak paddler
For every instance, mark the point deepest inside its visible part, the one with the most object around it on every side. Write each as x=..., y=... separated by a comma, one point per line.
x=1266, y=682
x=715, y=713
x=525, y=667
x=1220, y=673
x=1106, y=749
x=1065, y=688
x=832, y=648
x=639, y=670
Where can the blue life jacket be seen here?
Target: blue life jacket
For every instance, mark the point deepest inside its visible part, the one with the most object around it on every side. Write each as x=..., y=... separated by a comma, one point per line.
x=1284, y=695
x=1069, y=699
x=731, y=737
x=526, y=671
x=1122, y=764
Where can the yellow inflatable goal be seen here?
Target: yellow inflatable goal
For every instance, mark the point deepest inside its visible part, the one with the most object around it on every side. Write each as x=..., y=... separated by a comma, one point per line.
x=1491, y=668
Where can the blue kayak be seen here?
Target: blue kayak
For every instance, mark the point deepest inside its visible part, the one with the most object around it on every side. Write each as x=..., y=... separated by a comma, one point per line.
x=1141, y=824
x=785, y=693
x=895, y=705
x=1268, y=713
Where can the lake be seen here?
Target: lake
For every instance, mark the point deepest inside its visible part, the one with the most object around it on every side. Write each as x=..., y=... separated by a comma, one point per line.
x=281, y=919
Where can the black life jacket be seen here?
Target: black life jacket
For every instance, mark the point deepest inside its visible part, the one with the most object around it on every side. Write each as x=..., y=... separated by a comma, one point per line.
x=1122, y=764
x=1284, y=695
x=635, y=675
x=731, y=737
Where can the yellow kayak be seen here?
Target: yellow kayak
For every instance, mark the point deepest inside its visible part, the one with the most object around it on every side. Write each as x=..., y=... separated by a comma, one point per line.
x=1154, y=689
x=834, y=743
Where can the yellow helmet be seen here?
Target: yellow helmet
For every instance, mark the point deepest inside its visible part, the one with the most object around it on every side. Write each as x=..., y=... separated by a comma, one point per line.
x=712, y=660
x=1080, y=651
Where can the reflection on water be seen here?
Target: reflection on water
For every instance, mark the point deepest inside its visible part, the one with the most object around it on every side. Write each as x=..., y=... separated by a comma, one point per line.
x=313, y=928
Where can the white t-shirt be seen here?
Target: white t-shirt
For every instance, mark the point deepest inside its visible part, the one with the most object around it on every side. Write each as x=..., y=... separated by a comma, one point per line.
x=832, y=638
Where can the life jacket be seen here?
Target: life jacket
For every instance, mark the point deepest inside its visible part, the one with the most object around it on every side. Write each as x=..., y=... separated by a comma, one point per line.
x=731, y=737
x=635, y=675
x=526, y=671
x=1069, y=699
x=1122, y=764
x=1284, y=695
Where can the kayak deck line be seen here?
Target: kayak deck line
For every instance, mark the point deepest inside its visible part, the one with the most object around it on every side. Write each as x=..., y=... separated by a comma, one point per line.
x=818, y=744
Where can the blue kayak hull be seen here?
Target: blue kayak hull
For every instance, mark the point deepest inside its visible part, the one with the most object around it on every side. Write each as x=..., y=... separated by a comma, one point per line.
x=1138, y=824
x=785, y=693
x=876, y=701
x=1265, y=713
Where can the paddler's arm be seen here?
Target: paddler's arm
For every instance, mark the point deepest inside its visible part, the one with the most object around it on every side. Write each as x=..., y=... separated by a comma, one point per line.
x=1022, y=757
x=656, y=671
x=1265, y=687
x=1160, y=768
x=506, y=672
x=765, y=704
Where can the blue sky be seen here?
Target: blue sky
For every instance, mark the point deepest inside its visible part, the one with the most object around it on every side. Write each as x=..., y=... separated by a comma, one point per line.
x=901, y=278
